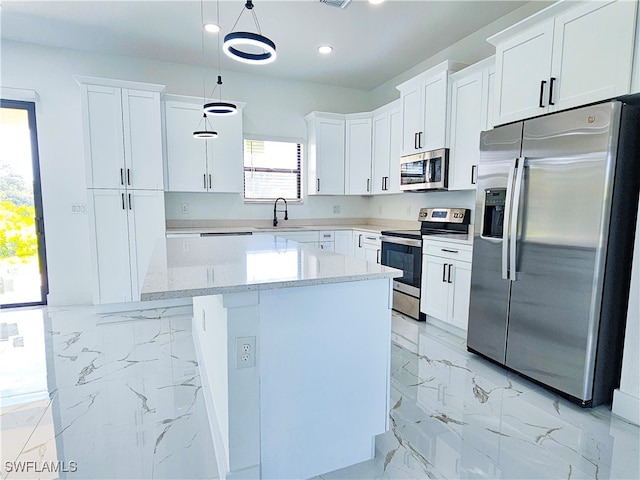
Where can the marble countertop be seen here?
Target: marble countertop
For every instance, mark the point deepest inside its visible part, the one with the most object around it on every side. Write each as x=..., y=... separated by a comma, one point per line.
x=195, y=266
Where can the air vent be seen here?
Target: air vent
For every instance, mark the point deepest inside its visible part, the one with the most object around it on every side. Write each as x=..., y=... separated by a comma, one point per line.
x=336, y=3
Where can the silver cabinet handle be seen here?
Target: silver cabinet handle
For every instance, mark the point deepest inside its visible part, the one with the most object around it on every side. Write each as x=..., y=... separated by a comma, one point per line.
x=378, y=260
x=419, y=139
x=326, y=235
x=123, y=202
x=209, y=181
x=121, y=176
x=368, y=182
x=204, y=178
x=318, y=187
x=371, y=238
x=447, y=250
x=444, y=272
x=473, y=174
x=449, y=274
x=360, y=241
x=128, y=176
x=129, y=201
x=551, y=82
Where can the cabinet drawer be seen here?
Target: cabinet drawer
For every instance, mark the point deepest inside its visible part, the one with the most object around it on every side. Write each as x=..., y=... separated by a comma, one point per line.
x=455, y=251
x=325, y=236
x=371, y=239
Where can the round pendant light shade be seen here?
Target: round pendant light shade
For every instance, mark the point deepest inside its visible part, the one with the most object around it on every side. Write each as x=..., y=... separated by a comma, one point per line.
x=220, y=108
x=207, y=132
x=234, y=43
x=248, y=47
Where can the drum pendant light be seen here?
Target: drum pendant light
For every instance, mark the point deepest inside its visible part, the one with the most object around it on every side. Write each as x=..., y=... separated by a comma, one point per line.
x=235, y=43
x=219, y=108
x=207, y=132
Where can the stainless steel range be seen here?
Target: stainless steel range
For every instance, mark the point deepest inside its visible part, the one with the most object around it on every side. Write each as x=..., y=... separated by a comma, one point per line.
x=402, y=249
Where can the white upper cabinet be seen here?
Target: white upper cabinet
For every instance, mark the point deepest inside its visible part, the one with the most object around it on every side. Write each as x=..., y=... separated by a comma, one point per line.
x=569, y=54
x=123, y=136
x=387, y=136
x=326, y=153
x=196, y=164
x=358, y=155
x=470, y=90
x=424, y=109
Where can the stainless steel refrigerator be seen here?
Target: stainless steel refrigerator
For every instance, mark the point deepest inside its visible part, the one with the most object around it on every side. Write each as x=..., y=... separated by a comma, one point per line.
x=556, y=207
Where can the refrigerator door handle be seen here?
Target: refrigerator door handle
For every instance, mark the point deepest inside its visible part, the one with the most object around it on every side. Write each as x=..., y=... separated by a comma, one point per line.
x=507, y=216
x=515, y=209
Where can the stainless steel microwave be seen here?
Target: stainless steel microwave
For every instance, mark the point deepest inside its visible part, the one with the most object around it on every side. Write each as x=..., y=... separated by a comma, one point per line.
x=425, y=171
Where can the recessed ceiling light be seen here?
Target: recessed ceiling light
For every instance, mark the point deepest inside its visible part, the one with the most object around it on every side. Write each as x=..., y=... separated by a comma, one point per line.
x=211, y=27
x=325, y=49
x=375, y=2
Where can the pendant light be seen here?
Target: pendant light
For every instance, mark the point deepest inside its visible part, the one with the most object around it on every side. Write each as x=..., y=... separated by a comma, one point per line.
x=207, y=132
x=234, y=41
x=219, y=107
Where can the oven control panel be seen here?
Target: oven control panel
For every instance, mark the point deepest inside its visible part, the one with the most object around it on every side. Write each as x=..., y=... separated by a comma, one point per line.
x=445, y=215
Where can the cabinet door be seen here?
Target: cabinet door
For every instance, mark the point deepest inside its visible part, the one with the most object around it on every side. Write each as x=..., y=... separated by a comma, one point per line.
x=111, y=243
x=372, y=254
x=381, y=153
x=459, y=294
x=343, y=242
x=395, y=138
x=186, y=155
x=142, y=139
x=146, y=219
x=411, y=119
x=358, y=157
x=434, y=294
x=466, y=124
x=330, y=157
x=489, y=84
x=522, y=64
x=225, y=155
x=102, y=109
x=434, y=97
x=593, y=53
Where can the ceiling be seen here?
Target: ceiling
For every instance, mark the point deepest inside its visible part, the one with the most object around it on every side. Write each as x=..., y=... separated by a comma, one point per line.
x=372, y=43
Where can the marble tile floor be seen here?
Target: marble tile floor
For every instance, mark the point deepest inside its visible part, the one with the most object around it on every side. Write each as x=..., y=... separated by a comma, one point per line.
x=119, y=396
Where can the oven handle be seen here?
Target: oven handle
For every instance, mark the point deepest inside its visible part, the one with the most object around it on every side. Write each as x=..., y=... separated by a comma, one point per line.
x=410, y=242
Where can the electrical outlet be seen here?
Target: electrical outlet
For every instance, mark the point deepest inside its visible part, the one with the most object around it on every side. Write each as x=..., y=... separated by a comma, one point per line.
x=79, y=208
x=185, y=208
x=336, y=209
x=245, y=352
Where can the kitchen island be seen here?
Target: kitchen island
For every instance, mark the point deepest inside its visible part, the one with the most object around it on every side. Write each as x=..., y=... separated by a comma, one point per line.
x=293, y=348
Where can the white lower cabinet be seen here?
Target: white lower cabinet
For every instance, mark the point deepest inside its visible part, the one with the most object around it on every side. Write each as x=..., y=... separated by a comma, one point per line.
x=446, y=282
x=343, y=242
x=367, y=246
x=124, y=228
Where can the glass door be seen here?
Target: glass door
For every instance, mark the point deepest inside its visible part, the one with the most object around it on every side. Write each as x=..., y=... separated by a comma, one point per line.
x=23, y=270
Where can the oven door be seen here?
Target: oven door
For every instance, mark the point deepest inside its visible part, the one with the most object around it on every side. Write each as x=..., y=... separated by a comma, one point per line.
x=414, y=170
x=404, y=254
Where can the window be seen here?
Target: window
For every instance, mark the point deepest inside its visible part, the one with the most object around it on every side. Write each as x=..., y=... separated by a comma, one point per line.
x=272, y=170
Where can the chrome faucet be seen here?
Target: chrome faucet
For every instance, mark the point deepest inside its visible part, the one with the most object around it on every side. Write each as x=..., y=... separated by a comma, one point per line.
x=286, y=213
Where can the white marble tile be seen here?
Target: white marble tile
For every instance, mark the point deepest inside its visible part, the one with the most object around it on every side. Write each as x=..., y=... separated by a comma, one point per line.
x=139, y=413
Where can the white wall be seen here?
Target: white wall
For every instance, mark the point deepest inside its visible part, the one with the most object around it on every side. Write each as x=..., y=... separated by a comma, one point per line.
x=274, y=108
x=405, y=206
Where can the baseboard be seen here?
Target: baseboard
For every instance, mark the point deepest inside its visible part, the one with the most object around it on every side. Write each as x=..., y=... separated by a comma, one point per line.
x=626, y=406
